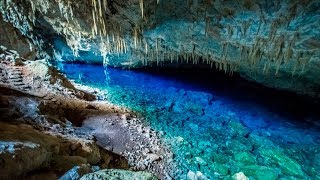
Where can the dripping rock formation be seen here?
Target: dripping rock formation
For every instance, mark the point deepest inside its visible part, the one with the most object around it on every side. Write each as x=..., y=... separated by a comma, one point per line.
x=275, y=43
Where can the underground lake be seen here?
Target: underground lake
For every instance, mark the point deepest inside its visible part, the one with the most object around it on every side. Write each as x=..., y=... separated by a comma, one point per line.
x=214, y=123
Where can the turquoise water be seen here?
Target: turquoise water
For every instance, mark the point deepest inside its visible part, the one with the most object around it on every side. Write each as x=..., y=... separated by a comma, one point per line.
x=215, y=124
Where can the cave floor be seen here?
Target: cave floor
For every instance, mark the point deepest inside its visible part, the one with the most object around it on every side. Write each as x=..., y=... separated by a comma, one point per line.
x=219, y=129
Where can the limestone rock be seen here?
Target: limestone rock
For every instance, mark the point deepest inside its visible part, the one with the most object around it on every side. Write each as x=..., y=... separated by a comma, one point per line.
x=24, y=156
x=13, y=39
x=275, y=44
x=288, y=166
x=77, y=171
x=113, y=174
x=261, y=172
x=196, y=176
x=239, y=176
x=245, y=158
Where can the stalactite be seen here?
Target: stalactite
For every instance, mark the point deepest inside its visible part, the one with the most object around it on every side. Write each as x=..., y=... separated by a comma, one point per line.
x=230, y=31
x=100, y=8
x=135, y=38
x=280, y=45
x=288, y=53
x=245, y=26
x=264, y=67
x=157, y=46
x=241, y=52
x=259, y=27
x=223, y=49
x=141, y=7
x=146, y=48
x=278, y=63
x=207, y=25
x=105, y=4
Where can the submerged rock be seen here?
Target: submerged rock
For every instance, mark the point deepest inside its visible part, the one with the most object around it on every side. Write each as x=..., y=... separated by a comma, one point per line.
x=221, y=169
x=196, y=176
x=77, y=172
x=239, y=176
x=261, y=172
x=113, y=174
x=287, y=165
x=245, y=158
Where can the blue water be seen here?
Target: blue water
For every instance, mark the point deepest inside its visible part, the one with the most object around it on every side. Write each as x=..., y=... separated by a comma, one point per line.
x=215, y=124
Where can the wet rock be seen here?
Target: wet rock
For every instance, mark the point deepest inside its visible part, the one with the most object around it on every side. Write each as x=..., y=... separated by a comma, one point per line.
x=77, y=172
x=261, y=172
x=201, y=161
x=238, y=128
x=239, y=176
x=245, y=158
x=191, y=175
x=204, y=144
x=220, y=169
x=220, y=158
x=114, y=174
x=287, y=165
x=196, y=176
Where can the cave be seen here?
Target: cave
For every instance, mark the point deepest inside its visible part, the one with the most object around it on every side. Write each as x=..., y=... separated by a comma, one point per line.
x=160, y=89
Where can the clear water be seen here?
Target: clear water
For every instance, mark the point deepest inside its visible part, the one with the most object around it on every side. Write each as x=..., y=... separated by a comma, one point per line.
x=217, y=125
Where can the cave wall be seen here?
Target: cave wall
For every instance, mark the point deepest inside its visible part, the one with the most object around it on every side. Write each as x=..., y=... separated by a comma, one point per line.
x=275, y=43
x=11, y=38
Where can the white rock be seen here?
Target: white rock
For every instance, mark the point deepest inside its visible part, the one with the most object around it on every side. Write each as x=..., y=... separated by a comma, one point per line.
x=191, y=175
x=153, y=157
x=200, y=176
x=124, y=117
x=179, y=139
x=239, y=176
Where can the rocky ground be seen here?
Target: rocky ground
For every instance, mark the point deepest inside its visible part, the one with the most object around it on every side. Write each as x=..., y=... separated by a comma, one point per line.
x=48, y=126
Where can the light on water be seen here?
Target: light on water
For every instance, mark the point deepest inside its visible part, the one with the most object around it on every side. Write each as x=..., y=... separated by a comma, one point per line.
x=218, y=127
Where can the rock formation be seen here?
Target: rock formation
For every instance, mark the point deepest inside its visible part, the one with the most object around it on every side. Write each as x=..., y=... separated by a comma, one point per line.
x=271, y=42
